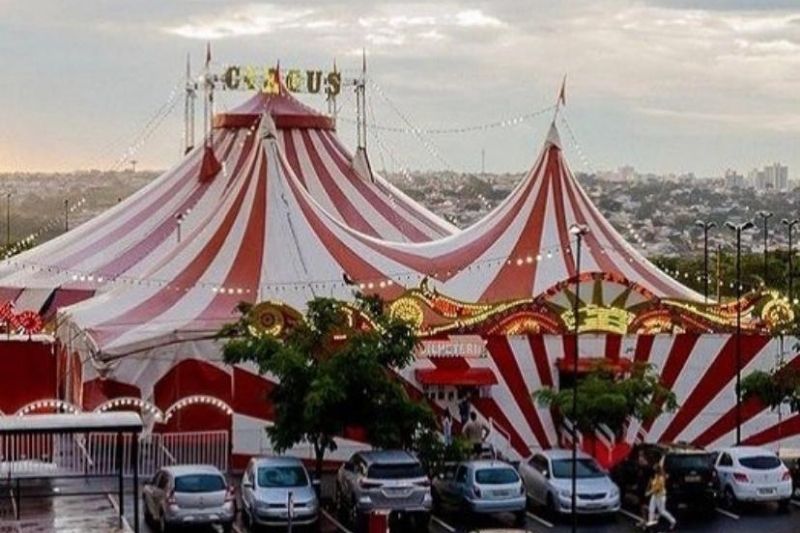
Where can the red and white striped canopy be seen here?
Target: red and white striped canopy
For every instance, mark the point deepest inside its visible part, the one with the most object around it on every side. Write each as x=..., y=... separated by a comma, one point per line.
x=123, y=243
x=268, y=238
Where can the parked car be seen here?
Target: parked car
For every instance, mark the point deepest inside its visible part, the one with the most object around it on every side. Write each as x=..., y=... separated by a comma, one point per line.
x=548, y=481
x=753, y=474
x=189, y=495
x=268, y=485
x=383, y=480
x=481, y=487
x=691, y=477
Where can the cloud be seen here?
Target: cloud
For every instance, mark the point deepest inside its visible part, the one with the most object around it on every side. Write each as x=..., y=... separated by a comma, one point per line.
x=246, y=21
x=476, y=18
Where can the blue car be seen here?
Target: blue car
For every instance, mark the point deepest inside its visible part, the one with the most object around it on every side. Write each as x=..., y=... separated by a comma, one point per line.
x=481, y=487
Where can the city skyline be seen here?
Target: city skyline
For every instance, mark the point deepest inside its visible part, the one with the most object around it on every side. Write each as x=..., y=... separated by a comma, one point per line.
x=638, y=93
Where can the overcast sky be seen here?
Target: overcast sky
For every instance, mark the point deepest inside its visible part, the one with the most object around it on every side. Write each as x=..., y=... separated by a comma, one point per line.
x=665, y=85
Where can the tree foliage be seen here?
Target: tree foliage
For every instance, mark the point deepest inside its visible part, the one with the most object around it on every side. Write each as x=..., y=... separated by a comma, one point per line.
x=334, y=375
x=606, y=396
x=775, y=387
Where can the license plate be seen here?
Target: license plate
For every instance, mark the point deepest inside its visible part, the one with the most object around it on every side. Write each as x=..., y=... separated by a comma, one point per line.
x=692, y=479
x=502, y=493
x=766, y=491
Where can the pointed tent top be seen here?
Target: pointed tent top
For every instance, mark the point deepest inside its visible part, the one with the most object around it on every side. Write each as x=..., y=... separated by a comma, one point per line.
x=268, y=129
x=364, y=61
x=553, y=137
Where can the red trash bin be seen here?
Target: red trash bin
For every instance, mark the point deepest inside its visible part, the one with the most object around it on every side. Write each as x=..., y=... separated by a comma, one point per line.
x=378, y=522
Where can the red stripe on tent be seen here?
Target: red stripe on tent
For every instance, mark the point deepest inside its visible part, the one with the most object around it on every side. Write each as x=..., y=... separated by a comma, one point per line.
x=751, y=407
x=719, y=374
x=413, y=210
x=682, y=347
x=368, y=192
x=513, y=280
x=490, y=410
x=504, y=358
x=130, y=257
x=449, y=263
x=568, y=345
x=150, y=209
x=785, y=429
x=354, y=265
x=601, y=258
x=188, y=277
x=613, y=345
x=349, y=213
x=246, y=267
x=561, y=219
x=290, y=150
x=539, y=352
x=644, y=345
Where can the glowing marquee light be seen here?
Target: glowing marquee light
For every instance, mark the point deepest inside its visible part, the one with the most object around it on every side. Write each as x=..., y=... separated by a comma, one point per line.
x=266, y=79
x=597, y=318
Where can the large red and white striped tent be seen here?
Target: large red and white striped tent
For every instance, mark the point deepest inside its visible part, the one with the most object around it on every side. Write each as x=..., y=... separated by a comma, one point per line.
x=121, y=244
x=268, y=238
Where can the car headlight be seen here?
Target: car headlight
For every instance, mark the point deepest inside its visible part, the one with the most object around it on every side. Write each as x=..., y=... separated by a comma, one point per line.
x=614, y=492
x=565, y=493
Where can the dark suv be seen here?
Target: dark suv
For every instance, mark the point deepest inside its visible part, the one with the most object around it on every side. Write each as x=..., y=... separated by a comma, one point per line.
x=691, y=478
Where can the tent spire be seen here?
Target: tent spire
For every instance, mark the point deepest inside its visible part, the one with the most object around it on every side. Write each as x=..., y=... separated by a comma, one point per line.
x=190, y=97
x=562, y=98
x=331, y=98
x=208, y=110
x=361, y=102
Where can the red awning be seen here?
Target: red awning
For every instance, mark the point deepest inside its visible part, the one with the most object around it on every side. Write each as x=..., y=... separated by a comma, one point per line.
x=456, y=376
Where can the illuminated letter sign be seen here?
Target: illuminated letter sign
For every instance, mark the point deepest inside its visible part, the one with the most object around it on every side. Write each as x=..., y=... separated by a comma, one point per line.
x=265, y=79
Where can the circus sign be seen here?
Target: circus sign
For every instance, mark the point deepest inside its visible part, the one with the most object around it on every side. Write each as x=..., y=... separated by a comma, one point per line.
x=269, y=79
x=455, y=346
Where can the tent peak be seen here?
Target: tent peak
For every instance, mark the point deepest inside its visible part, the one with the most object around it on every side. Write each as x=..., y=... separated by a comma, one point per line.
x=553, y=137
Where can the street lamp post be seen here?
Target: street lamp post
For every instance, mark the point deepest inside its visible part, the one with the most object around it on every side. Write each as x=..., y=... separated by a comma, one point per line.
x=738, y=229
x=578, y=230
x=179, y=221
x=765, y=215
x=8, y=220
x=706, y=226
x=790, y=224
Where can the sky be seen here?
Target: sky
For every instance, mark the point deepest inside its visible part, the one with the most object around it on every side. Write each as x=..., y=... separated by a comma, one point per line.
x=664, y=85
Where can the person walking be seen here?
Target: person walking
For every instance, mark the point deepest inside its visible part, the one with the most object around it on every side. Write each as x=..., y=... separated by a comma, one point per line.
x=463, y=409
x=644, y=472
x=475, y=433
x=447, y=428
x=657, y=490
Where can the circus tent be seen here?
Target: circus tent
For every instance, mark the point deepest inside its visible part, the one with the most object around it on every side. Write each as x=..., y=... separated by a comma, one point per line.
x=120, y=245
x=269, y=240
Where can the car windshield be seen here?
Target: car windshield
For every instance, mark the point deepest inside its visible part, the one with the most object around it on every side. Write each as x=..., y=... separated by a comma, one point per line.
x=282, y=476
x=496, y=476
x=760, y=462
x=199, y=483
x=395, y=471
x=585, y=468
x=687, y=461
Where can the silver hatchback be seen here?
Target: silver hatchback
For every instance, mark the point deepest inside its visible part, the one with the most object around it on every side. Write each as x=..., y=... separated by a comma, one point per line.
x=277, y=491
x=189, y=495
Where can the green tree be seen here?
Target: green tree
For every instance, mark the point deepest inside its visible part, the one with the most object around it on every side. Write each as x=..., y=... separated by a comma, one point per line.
x=607, y=396
x=335, y=373
x=775, y=387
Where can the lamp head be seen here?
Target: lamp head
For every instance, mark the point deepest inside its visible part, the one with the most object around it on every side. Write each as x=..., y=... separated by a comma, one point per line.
x=578, y=229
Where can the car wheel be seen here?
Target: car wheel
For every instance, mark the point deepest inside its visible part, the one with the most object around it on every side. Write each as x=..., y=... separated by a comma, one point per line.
x=729, y=498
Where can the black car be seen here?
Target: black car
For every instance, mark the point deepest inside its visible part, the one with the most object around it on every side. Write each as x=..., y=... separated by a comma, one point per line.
x=791, y=458
x=691, y=478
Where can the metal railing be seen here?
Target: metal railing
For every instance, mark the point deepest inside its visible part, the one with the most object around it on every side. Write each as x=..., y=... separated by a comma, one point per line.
x=96, y=454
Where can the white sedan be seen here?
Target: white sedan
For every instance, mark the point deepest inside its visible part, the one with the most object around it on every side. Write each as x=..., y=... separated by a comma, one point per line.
x=752, y=474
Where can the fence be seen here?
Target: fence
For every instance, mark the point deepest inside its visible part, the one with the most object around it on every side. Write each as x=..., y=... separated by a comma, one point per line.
x=95, y=454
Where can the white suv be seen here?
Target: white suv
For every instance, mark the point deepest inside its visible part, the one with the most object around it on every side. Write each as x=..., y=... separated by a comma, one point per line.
x=748, y=473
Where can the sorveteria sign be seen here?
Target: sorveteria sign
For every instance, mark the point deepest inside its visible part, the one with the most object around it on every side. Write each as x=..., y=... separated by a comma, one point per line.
x=252, y=78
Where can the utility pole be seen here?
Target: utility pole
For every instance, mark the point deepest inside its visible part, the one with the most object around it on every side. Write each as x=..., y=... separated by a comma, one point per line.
x=8, y=220
x=66, y=215
x=705, y=226
x=765, y=215
x=483, y=161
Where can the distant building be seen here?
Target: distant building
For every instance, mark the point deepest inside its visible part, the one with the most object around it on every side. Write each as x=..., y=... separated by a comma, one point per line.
x=771, y=177
x=733, y=180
